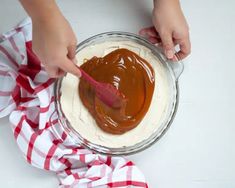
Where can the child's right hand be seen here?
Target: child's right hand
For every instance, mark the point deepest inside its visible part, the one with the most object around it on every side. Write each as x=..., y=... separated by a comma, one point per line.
x=54, y=41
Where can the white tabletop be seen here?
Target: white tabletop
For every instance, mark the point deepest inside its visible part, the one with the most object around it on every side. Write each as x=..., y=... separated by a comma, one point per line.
x=198, y=150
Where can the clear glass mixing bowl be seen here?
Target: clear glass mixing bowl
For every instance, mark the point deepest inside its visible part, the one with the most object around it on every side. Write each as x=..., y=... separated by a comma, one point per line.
x=173, y=70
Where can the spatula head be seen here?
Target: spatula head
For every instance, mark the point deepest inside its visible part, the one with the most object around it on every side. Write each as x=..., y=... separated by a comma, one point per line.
x=110, y=95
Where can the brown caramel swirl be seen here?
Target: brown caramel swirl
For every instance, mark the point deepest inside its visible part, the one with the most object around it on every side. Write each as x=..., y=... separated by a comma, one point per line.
x=130, y=74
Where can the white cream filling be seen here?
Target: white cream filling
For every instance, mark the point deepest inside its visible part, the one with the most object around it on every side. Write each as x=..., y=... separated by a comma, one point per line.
x=83, y=122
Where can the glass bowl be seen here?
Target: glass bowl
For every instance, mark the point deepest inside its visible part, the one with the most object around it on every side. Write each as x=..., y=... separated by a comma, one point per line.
x=173, y=71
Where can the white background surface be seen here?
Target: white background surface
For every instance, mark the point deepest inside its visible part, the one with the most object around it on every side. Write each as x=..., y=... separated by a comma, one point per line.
x=198, y=150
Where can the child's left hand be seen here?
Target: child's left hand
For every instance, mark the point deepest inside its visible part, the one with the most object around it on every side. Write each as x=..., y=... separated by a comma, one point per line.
x=170, y=29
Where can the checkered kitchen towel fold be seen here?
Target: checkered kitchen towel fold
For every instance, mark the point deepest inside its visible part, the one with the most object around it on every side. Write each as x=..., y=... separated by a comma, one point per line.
x=26, y=94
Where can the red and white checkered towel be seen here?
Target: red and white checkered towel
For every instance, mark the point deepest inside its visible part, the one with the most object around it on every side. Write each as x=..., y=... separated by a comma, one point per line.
x=26, y=94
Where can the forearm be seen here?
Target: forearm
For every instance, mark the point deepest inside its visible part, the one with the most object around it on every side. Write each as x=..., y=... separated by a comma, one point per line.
x=158, y=3
x=40, y=9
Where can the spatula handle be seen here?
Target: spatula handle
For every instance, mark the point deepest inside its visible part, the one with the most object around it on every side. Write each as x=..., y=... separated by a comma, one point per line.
x=88, y=78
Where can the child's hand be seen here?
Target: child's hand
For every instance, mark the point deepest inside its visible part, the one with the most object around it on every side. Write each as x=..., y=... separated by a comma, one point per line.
x=54, y=42
x=170, y=29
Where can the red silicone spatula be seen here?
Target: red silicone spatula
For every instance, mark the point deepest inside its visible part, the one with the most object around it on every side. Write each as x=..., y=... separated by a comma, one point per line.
x=106, y=92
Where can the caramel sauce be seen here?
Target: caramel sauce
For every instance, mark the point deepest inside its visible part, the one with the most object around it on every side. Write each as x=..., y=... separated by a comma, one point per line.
x=130, y=74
